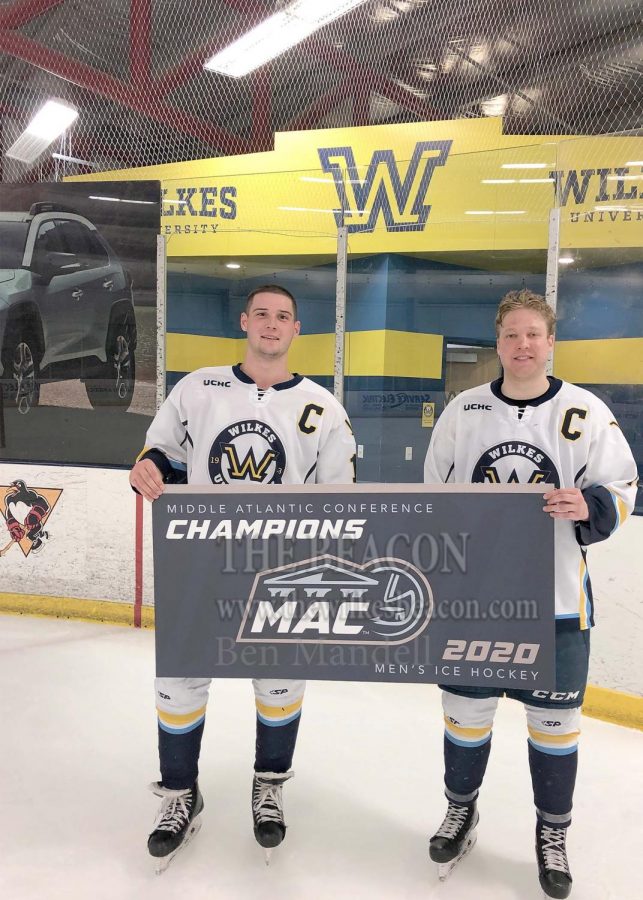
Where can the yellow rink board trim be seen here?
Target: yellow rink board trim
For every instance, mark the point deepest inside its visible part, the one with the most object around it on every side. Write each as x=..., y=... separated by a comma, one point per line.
x=600, y=703
x=108, y=611
x=600, y=361
x=613, y=706
x=386, y=353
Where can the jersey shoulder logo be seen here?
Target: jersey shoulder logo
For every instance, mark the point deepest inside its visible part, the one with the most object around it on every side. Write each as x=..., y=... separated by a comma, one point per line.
x=572, y=427
x=248, y=450
x=386, y=191
x=215, y=382
x=513, y=462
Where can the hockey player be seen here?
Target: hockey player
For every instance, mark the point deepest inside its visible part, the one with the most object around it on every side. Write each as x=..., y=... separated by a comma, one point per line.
x=252, y=422
x=25, y=511
x=542, y=429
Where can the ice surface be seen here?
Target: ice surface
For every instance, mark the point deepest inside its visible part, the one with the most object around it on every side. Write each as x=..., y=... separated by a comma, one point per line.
x=78, y=747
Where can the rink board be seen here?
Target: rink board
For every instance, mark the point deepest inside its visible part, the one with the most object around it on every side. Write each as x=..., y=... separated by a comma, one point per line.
x=419, y=583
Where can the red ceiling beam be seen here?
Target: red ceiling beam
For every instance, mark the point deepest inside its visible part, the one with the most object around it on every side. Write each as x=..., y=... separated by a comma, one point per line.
x=140, y=43
x=192, y=64
x=7, y=110
x=188, y=68
x=262, y=134
x=96, y=82
x=310, y=116
x=369, y=79
x=24, y=11
x=361, y=108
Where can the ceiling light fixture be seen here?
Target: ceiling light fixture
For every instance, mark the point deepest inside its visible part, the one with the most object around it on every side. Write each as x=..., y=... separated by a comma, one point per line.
x=73, y=159
x=495, y=106
x=49, y=123
x=566, y=260
x=232, y=266
x=275, y=35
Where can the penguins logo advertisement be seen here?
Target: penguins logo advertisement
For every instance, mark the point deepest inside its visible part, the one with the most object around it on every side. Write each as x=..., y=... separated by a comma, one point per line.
x=329, y=600
x=25, y=512
x=514, y=463
x=247, y=451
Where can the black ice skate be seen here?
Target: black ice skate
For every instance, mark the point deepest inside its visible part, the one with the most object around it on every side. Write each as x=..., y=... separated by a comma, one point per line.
x=454, y=838
x=178, y=820
x=268, y=809
x=553, y=868
x=39, y=541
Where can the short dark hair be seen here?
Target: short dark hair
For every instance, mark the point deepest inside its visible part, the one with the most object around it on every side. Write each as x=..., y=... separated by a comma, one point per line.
x=526, y=299
x=271, y=289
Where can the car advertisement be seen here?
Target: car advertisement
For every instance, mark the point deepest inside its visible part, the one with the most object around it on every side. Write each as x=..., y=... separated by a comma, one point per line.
x=78, y=334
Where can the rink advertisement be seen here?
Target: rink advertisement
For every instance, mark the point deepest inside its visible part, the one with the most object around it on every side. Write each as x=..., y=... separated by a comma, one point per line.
x=398, y=583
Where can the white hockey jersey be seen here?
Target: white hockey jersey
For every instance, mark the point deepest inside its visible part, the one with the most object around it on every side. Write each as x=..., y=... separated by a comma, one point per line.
x=567, y=438
x=218, y=427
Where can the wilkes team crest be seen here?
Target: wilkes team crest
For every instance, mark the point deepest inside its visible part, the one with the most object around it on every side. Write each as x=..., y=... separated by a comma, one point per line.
x=513, y=462
x=26, y=511
x=384, y=191
x=247, y=451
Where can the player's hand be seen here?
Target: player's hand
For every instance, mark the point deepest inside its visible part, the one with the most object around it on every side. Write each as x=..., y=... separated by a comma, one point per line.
x=147, y=479
x=566, y=503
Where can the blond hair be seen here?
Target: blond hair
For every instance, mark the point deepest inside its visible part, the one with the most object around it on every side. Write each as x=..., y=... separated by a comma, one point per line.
x=526, y=299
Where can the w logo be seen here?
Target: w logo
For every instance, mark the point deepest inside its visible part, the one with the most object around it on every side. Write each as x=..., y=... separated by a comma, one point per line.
x=399, y=199
x=247, y=450
x=249, y=468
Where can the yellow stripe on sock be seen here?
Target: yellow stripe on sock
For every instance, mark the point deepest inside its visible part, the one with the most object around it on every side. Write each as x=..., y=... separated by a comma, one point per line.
x=466, y=732
x=180, y=718
x=277, y=712
x=544, y=738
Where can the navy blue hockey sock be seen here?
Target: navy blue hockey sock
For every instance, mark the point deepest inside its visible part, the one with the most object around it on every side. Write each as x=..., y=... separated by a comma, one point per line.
x=179, y=757
x=553, y=777
x=275, y=746
x=464, y=769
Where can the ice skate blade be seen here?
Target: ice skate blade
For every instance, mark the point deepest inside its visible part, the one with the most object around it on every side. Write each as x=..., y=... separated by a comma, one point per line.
x=162, y=862
x=445, y=869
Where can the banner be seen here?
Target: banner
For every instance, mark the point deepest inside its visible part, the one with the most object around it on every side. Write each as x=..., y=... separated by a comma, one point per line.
x=412, y=188
x=417, y=583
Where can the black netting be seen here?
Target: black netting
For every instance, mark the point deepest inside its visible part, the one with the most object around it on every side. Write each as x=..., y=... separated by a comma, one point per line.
x=134, y=69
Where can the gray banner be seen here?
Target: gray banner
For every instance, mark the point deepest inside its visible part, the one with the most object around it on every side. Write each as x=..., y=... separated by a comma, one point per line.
x=356, y=583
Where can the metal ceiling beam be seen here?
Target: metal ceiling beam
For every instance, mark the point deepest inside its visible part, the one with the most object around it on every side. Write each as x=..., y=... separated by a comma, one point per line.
x=188, y=68
x=7, y=110
x=24, y=11
x=23, y=48
x=261, y=137
x=192, y=64
x=310, y=116
x=369, y=79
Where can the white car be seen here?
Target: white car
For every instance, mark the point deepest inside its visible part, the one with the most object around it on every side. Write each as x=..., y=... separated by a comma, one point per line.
x=66, y=309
